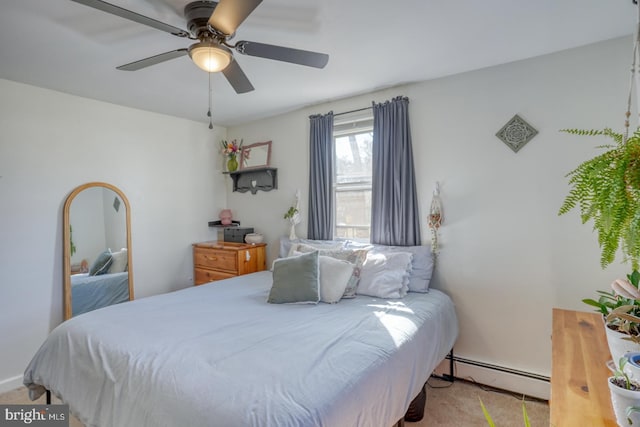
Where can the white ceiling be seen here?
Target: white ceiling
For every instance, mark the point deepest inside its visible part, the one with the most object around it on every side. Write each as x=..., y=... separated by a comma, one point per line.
x=69, y=47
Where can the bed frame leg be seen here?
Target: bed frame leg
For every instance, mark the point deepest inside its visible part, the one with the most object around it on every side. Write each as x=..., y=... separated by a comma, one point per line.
x=448, y=377
x=48, y=397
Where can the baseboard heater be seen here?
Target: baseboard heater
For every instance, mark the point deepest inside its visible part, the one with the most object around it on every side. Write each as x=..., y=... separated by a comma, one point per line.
x=531, y=375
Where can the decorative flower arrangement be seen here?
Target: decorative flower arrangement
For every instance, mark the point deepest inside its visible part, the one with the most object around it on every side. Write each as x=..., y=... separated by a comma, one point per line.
x=231, y=150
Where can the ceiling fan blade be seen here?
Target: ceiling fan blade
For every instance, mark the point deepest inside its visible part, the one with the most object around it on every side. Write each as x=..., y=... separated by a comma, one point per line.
x=153, y=60
x=132, y=16
x=237, y=78
x=286, y=54
x=229, y=14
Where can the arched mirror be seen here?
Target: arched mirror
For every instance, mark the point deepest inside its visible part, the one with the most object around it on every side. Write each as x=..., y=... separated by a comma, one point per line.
x=97, y=248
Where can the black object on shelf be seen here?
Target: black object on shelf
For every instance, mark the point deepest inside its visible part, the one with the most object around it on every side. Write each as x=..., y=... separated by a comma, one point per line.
x=265, y=179
x=235, y=234
x=219, y=224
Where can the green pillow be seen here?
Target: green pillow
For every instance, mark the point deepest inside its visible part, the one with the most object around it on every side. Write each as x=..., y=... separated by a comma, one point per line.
x=101, y=264
x=356, y=257
x=296, y=280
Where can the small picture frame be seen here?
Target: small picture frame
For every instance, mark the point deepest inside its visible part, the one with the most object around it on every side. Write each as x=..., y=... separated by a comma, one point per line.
x=255, y=156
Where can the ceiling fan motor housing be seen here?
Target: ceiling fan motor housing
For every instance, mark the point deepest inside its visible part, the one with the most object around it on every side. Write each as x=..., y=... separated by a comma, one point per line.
x=197, y=15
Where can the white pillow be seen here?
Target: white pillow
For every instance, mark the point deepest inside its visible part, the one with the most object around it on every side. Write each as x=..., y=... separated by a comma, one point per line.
x=334, y=276
x=355, y=257
x=119, y=261
x=324, y=246
x=421, y=264
x=385, y=275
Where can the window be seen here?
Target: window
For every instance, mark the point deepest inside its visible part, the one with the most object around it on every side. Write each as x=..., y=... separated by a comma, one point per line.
x=353, y=142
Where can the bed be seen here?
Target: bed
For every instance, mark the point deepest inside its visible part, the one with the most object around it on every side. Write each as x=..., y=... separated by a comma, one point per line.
x=92, y=292
x=218, y=354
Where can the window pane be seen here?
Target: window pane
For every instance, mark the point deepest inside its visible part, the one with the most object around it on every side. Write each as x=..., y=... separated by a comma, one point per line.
x=353, y=157
x=353, y=213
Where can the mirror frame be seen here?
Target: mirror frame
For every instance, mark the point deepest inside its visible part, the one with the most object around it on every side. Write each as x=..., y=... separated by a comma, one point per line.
x=247, y=148
x=66, y=241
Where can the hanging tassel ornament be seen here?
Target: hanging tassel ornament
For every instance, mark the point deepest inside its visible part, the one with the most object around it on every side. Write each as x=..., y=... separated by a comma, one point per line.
x=435, y=218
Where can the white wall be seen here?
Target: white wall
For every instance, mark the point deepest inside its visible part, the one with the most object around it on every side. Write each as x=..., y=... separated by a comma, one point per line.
x=506, y=257
x=52, y=142
x=115, y=221
x=86, y=218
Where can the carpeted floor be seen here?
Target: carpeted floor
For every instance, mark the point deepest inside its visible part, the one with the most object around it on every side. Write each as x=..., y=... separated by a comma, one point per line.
x=448, y=405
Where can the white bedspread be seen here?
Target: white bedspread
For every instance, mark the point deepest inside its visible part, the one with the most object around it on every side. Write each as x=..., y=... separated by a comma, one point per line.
x=219, y=355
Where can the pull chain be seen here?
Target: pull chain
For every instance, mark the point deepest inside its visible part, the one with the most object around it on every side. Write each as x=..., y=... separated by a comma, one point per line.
x=210, y=103
x=634, y=72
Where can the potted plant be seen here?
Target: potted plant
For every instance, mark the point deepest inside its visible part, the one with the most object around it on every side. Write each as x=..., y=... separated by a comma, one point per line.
x=231, y=151
x=293, y=215
x=621, y=312
x=625, y=395
x=606, y=188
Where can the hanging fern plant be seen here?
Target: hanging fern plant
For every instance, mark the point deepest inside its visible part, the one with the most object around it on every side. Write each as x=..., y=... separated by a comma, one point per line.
x=607, y=191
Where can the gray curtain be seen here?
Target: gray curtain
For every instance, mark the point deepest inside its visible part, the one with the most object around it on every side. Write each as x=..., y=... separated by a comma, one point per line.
x=321, y=177
x=395, y=219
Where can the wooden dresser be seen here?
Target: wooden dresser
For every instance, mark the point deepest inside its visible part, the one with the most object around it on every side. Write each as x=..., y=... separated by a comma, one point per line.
x=579, y=391
x=222, y=260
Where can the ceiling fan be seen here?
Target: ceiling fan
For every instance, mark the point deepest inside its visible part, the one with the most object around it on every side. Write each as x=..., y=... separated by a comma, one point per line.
x=213, y=24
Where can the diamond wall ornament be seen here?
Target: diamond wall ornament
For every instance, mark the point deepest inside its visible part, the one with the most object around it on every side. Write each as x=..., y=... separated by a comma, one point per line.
x=116, y=204
x=516, y=133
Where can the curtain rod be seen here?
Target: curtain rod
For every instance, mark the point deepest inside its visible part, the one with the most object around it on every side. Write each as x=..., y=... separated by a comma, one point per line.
x=352, y=111
x=344, y=112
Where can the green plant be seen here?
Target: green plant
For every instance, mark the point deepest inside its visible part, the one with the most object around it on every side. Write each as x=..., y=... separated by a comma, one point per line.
x=622, y=379
x=72, y=246
x=621, y=307
x=291, y=212
x=606, y=189
x=527, y=423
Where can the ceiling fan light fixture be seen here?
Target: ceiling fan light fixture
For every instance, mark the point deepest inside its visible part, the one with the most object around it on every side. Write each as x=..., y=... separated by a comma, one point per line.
x=210, y=56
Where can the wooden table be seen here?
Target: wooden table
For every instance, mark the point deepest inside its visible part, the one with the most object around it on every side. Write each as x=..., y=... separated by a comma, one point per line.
x=579, y=391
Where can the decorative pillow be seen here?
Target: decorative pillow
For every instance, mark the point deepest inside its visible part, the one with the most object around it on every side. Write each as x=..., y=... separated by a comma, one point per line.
x=355, y=257
x=385, y=275
x=421, y=264
x=101, y=264
x=286, y=243
x=296, y=280
x=334, y=277
x=119, y=261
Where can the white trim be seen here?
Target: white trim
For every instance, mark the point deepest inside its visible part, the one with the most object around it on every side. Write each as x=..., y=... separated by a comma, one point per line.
x=10, y=384
x=502, y=380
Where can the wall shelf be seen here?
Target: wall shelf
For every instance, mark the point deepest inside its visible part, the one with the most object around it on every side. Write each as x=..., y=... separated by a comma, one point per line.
x=265, y=179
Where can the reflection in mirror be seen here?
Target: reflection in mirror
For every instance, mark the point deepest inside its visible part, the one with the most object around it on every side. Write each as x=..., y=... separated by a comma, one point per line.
x=256, y=155
x=97, y=249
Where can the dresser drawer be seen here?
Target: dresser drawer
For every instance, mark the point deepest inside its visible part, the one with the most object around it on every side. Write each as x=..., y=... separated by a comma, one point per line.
x=223, y=260
x=206, y=276
x=216, y=259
